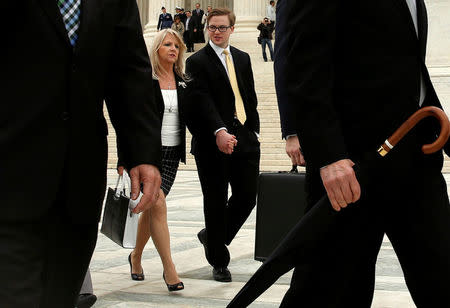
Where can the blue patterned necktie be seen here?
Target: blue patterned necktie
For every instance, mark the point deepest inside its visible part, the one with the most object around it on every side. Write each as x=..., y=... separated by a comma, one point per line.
x=70, y=11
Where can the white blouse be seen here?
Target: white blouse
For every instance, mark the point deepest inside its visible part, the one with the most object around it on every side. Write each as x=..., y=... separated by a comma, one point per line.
x=170, y=131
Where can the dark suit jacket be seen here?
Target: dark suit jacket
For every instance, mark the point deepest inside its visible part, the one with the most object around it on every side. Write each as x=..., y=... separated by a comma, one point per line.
x=212, y=99
x=287, y=119
x=158, y=98
x=189, y=33
x=198, y=17
x=52, y=129
x=164, y=22
x=353, y=73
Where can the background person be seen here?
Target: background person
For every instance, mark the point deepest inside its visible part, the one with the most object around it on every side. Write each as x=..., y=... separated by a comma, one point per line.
x=197, y=15
x=265, y=33
x=165, y=20
x=271, y=12
x=169, y=84
x=178, y=26
x=188, y=35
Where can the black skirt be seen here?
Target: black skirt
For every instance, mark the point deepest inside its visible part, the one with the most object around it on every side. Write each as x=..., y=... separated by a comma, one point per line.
x=170, y=161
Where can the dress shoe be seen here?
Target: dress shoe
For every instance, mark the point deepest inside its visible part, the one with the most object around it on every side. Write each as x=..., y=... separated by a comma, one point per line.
x=221, y=274
x=86, y=300
x=202, y=238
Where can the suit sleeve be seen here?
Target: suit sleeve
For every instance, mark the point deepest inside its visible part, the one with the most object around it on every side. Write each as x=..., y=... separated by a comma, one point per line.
x=310, y=79
x=129, y=95
x=287, y=119
x=202, y=116
x=252, y=98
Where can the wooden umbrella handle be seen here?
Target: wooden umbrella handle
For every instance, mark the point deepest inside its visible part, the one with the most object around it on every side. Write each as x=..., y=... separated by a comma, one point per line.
x=438, y=144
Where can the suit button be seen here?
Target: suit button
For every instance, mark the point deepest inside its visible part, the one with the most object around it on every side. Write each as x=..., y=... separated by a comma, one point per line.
x=65, y=116
x=74, y=67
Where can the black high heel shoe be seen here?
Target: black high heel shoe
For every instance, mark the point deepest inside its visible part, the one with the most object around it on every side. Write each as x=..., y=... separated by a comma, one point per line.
x=173, y=287
x=138, y=277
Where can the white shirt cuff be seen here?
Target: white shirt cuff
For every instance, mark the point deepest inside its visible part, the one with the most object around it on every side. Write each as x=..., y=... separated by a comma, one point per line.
x=222, y=128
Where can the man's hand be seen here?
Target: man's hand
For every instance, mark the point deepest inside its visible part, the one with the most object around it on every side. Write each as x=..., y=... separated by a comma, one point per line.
x=225, y=141
x=293, y=151
x=340, y=183
x=149, y=176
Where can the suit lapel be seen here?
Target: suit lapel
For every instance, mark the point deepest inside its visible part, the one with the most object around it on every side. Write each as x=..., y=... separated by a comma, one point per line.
x=215, y=59
x=51, y=9
x=406, y=13
x=84, y=22
x=422, y=21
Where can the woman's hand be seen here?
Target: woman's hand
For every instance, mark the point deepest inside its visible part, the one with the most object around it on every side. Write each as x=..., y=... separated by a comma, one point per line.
x=120, y=170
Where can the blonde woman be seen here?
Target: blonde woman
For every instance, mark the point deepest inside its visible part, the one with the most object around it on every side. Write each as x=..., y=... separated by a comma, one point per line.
x=169, y=85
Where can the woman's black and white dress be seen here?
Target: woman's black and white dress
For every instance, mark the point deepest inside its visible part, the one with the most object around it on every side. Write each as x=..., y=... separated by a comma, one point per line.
x=170, y=139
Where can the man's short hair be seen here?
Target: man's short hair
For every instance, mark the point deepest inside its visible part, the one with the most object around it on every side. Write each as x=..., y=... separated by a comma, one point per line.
x=163, y=8
x=188, y=11
x=271, y=1
x=222, y=12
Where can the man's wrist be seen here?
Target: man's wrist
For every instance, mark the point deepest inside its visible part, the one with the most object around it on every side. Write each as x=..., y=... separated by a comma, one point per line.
x=218, y=130
x=289, y=136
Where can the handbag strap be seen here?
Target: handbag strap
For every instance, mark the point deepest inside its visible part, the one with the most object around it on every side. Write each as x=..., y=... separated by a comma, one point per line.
x=121, y=186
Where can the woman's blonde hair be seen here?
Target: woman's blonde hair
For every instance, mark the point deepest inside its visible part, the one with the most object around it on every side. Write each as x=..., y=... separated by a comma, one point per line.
x=158, y=70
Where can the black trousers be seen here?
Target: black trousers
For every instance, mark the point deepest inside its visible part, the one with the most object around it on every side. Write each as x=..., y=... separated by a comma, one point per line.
x=43, y=262
x=224, y=216
x=407, y=200
x=188, y=40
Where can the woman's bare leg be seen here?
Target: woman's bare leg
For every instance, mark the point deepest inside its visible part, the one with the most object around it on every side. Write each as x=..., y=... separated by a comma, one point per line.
x=161, y=238
x=143, y=234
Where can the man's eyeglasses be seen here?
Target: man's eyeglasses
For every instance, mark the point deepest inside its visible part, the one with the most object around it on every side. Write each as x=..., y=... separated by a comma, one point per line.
x=220, y=28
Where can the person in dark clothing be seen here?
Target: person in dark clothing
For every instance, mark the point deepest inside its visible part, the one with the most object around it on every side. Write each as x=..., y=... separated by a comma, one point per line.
x=188, y=34
x=165, y=20
x=265, y=33
x=348, y=92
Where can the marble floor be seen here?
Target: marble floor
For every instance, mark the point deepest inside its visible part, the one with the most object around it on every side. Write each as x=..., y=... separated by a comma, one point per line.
x=115, y=289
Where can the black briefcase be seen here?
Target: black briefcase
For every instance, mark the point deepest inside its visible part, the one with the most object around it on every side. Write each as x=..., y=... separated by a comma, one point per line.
x=280, y=205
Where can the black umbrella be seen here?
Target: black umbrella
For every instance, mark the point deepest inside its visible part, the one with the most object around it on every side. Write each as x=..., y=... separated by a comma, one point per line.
x=305, y=238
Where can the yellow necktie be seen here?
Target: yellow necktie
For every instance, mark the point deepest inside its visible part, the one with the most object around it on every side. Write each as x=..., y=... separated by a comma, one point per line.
x=239, y=103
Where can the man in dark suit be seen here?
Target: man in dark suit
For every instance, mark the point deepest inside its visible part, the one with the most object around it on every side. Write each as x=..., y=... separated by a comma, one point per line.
x=287, y=119
x=188, y=34
x=53, y=138
x=164, y=20
x=355, y=71
x=197, y=15
x=224, y=122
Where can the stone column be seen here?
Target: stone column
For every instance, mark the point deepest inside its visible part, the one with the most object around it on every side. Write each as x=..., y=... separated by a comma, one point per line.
x=143, y=11
x=249, y=14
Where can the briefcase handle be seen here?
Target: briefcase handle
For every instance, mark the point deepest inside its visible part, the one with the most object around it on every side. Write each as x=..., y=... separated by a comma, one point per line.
x=121, y=186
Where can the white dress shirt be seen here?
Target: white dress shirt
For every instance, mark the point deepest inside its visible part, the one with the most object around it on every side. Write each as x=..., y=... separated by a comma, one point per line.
x=170, y=128
x=219, y=51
